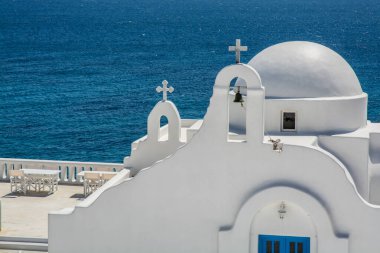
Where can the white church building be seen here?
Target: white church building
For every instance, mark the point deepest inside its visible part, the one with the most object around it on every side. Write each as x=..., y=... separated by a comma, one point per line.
x=284, y=161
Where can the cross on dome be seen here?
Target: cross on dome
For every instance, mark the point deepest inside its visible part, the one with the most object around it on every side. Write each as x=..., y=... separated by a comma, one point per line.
x=237, y=48
x=164, y=89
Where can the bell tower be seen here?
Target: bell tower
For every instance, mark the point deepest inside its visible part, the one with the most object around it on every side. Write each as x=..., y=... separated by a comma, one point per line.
x=160, y=142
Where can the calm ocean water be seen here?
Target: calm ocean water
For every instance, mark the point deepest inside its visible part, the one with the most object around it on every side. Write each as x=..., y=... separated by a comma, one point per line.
x=78, y=77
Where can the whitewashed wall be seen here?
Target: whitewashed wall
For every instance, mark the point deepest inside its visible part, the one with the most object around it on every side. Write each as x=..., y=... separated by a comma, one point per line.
x=374, y=166
x=185, y=202
x=314, y=116
x=353, y=153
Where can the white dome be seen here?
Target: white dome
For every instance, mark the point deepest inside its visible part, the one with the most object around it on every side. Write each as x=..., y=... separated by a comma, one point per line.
x=301, y=69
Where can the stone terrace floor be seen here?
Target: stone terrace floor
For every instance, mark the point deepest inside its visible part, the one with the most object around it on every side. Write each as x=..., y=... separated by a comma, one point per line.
x=27, y=215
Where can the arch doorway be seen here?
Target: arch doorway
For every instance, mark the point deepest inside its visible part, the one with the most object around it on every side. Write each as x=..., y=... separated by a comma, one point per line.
x=304, y=216
x=282, y=227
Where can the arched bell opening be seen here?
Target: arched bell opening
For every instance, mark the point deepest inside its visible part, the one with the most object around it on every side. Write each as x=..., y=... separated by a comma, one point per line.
x=164, y=123
x=237, y=112
x=222, y=104
x=164, y=133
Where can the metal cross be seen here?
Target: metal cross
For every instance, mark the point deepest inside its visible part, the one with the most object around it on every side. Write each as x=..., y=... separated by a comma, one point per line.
x=164, y=89
x=237, y=48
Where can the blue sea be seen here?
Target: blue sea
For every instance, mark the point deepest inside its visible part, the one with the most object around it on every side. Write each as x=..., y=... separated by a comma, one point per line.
x=78, y=77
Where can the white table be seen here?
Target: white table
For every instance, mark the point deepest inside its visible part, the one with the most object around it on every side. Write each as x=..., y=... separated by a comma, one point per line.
x=38, y=179
x=40, y=172
x=81, y=174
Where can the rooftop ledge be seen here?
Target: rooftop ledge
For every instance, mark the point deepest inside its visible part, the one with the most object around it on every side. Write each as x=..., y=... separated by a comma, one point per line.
x=188, y=128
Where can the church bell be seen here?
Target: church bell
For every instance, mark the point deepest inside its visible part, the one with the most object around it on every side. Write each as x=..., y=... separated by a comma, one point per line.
x=238, y=97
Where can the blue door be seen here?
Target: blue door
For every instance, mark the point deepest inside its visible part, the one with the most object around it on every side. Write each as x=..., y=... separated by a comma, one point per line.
x=283, y=244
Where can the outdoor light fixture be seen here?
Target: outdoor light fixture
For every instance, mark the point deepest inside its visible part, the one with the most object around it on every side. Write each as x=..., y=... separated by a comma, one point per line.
x=282, y=210
x=277, y=145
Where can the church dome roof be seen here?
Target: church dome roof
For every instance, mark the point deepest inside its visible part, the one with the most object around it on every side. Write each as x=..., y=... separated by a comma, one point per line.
x=301, y=69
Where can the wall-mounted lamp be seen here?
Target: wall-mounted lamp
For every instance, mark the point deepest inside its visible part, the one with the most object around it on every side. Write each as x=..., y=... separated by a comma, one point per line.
x=282, y=210
x=277, y=145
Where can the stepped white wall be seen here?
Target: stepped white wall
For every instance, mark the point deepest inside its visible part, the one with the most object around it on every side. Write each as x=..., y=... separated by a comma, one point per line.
x=205, y=197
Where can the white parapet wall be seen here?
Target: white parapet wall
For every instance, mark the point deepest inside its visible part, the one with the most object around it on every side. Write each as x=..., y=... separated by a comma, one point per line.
x=69, y=169
x=374, y=167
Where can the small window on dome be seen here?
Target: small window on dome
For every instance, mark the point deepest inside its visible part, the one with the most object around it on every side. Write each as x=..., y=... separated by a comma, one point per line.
x=288, y=121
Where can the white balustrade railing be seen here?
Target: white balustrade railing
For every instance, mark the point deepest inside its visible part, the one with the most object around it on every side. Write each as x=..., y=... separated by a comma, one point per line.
x=68, y=169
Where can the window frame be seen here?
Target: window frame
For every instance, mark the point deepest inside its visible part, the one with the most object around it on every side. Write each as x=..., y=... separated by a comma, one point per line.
x=295, y=121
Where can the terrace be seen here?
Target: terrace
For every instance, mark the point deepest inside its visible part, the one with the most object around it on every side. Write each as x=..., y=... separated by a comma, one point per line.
x=24, y=218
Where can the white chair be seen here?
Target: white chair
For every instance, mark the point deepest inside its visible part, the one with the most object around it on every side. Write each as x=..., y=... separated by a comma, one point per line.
x=34, y=182
x=107, y=177
x=18, y=181
x=51, y=182
x=92, y=181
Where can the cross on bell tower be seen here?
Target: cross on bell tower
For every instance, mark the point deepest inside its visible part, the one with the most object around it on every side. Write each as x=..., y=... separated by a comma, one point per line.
x=237, y=48
x=164, y=89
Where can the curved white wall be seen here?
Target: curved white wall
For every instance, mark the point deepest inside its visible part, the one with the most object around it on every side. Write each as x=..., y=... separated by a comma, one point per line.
x=314, y=116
